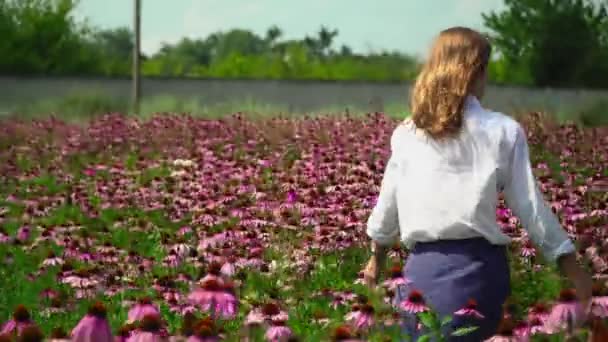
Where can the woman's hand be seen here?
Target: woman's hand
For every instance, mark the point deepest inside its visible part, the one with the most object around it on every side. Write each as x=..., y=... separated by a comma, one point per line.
x=371, y=272
x=581, y=280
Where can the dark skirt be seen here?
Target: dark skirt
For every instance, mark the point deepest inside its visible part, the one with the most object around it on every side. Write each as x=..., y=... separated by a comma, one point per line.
x=450, y=272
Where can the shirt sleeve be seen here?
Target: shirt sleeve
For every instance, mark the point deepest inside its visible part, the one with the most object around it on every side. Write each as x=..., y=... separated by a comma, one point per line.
x=527, y=203
x=383, y=223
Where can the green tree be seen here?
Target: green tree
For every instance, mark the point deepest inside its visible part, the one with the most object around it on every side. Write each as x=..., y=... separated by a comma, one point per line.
x=116, y=48
x=560, y=43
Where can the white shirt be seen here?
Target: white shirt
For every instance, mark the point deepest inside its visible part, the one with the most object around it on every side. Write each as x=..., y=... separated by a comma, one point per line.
x=449, y=189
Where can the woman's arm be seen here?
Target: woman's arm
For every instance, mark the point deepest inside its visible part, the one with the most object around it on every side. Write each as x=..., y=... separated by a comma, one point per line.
x=527, y=202
x=383, y=222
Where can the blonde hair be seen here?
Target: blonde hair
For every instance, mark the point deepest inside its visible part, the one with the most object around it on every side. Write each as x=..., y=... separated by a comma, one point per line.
x=458, y=57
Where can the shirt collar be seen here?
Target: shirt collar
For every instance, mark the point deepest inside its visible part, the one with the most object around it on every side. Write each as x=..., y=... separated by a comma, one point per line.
x=472, y=103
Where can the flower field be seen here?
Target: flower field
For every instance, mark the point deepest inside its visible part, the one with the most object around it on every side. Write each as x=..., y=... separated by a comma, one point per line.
x=246, y=229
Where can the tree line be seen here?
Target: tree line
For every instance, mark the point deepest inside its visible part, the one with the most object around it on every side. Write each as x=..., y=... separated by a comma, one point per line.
x=545, y=43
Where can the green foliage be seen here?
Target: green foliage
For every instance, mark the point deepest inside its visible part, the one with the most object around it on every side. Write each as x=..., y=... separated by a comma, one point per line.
x=547, y=43
x=40, y=36
x=558, y=43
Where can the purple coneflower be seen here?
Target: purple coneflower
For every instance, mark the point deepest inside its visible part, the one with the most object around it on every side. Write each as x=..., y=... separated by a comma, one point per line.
x=124, y=332
x=361, y=316
x=21, y=319
x=23, y=234
x=522, y=330
x=470, y=310
x=149, y=331
x=344, y=333
x=59, y=335
x=278, y=332
x=396, y=278
x=599, y=301
x=565, y=313
x=505, y=333
x=414, y=303
x=93, y=327
x=31, y=333
x=141, y=309
x=540, y=311
x=204, y=331
x=229, y=267
x=206, y=295
x=536, y=326
x=528, y=250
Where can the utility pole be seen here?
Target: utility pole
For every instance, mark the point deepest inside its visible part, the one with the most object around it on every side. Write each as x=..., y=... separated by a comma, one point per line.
x=136, y=91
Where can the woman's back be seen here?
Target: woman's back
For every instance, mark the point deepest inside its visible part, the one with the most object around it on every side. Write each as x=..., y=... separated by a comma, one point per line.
x=448, y=189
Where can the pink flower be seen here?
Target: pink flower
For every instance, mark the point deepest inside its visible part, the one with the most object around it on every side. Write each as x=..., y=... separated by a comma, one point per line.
x=229, y=268
x=21, y=319
x=470, y=310
x=522, y=331
x=414, y=303
x=362, y=316
x=269, y=312
x=278, y=332
x=396, y=279
x=146, y=336
x=528, y=250
x=23, y=233
x=566, y=313
x=292, y=197
x=216, y=297
x=89, y=172
x=93, y=327
x=141, y=309
x=538, y=311
x=505, y=332
x=150, y=330
x=536, y=326
x=599, y=301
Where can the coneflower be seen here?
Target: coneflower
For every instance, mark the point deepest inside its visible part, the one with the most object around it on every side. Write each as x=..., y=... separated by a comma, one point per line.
x=505, y=333
x=93, y=326
x=125, y=332
x=150, y=330
x=204, y=331
x=566, y=313
x=470, y=310
x=143, y=307
x=31, y=333
x=599, y=301
x=278, y=332
x=344, y=333
x=414, y=303
x=188, y=324
x=396, y=278
x=59, y=335
x=362, y=316
x=21, y=319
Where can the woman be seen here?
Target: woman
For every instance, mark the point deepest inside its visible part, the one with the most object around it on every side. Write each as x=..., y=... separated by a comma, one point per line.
x=439, y=193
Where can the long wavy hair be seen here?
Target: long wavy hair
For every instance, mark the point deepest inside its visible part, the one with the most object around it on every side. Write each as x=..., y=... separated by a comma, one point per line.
x=457, y=60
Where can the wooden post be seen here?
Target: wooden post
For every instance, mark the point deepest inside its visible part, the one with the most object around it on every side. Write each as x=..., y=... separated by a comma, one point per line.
x=136, y=91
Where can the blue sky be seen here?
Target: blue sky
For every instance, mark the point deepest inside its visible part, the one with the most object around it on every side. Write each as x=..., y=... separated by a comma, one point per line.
x=364, y=25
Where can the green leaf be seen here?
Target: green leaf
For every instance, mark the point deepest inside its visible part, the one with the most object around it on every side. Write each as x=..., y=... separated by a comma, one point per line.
x=446, y=320
x=424, y=338
x=464, y=331
x=429, y=320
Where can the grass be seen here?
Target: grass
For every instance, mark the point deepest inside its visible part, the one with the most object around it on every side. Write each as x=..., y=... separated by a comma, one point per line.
x=82, y=106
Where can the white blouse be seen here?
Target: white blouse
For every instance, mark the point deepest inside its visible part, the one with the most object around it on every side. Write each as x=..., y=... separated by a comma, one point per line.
x=449, y=189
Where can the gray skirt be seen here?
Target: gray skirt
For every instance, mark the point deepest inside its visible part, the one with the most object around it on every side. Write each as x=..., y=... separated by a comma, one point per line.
x=449, y=273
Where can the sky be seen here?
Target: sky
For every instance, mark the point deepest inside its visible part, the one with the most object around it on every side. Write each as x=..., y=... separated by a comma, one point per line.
x=364, y=25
